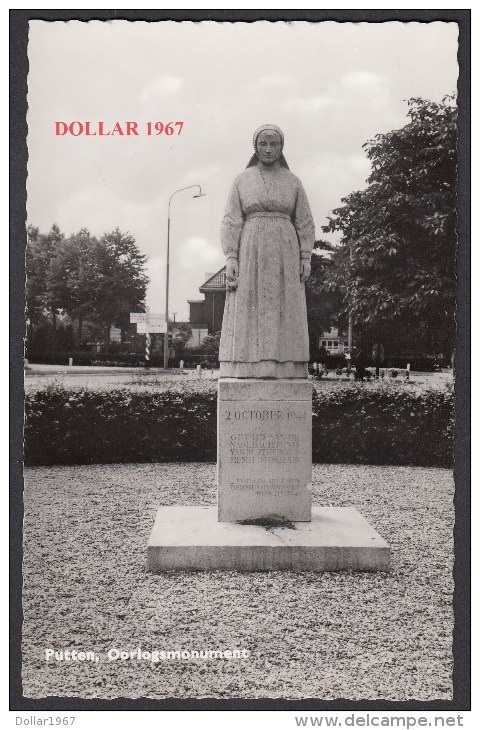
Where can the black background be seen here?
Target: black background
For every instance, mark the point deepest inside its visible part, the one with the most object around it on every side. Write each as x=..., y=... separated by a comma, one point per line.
x=18, y=173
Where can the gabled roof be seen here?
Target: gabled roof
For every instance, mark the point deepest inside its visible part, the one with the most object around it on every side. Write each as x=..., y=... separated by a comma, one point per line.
x=217, y=282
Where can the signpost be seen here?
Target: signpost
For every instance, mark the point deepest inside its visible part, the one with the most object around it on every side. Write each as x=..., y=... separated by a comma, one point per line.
x=153, y=329
x=143, y=317
x=148, y=324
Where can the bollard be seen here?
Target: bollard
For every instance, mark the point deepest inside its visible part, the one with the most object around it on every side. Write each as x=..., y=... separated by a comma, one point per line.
x=147, y=350
x=70, y=362
x=181, y=364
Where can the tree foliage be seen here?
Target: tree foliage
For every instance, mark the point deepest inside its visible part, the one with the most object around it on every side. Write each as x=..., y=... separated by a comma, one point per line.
x=41, y=249
x=101, y=280
x=122, y=279
x=323, y=304
x=397, y=261
x=73, y=277
x=211, y=345
x=182, y=332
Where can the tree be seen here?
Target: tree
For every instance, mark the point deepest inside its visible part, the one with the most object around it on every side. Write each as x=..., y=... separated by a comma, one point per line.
x=40, y=306
x=122, y=279
x=101, y=280
x=396, y=264
x=323, y=305
x=181, y=333
x=211, y=345
x=41, y=249
x=73, y=280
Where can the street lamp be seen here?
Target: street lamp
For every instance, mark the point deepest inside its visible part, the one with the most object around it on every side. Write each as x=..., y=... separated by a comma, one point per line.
x=350, y=318
x=198, y=195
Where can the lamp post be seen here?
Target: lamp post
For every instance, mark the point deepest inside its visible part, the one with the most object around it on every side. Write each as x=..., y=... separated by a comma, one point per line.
x=198, y=195
x=350, y=318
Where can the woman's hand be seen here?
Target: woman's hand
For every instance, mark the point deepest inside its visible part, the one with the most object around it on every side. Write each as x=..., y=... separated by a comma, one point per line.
x=305, y=269
x=232, y=274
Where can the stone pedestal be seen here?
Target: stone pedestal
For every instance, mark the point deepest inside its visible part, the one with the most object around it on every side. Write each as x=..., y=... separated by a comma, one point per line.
x=264, y=458
x=265, y=520
x=337, y=538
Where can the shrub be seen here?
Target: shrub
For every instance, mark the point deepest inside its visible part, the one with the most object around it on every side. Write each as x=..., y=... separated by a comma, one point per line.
x=100, y=426
x=352, y=424
x=383, y=425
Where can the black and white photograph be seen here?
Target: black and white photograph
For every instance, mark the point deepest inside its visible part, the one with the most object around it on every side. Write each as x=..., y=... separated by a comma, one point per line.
x=241, y=246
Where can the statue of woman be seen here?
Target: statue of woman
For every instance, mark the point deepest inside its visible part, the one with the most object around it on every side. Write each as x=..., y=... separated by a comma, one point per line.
x=267, y=236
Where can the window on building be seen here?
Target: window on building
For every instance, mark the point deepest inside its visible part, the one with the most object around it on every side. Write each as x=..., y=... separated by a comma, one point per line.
x=329, y=343
x=335, y=343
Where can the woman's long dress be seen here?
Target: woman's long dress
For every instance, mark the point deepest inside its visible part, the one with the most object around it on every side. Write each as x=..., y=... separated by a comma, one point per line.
x=268, y=226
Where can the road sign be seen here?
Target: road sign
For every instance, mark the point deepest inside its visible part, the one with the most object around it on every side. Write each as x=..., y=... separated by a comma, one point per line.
x=153, y=329
x=140, y=317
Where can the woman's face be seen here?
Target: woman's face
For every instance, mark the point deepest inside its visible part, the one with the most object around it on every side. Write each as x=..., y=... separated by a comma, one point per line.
x=269, y=147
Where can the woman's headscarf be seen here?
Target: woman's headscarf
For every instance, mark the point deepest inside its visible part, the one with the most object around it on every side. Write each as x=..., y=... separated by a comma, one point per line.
x=267, y=128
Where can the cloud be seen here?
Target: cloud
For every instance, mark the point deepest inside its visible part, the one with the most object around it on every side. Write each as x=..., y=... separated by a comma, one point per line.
x=359, y=164
x=316, y=103
x=310, y=104
x=363, y=81
x=299, y=105
x=202, y=173
x=274, y=80
x=198, y=253
x=165, y=86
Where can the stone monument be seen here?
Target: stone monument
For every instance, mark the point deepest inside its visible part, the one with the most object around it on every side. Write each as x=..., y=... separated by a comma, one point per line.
x=264, y=462
x=265, y=519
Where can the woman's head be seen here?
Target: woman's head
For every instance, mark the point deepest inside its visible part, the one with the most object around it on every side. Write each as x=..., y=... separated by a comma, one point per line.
x=268, y=143
x=268, y=147
x=268, y=128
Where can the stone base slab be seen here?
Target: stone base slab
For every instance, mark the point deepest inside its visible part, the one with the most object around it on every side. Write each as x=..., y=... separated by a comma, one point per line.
x=337, y=538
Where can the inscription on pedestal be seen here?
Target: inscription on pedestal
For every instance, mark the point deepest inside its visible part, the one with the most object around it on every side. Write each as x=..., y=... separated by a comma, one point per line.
x=264, y=449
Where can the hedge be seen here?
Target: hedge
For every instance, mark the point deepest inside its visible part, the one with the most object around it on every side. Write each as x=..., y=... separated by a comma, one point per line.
x=122, y=359
x=354, y=424
x=383, y=425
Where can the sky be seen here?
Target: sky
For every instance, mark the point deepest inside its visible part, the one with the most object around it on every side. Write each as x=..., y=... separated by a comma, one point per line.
x=330, y=86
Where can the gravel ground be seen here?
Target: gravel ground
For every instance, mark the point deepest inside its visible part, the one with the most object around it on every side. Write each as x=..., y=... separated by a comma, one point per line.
x=330, y=635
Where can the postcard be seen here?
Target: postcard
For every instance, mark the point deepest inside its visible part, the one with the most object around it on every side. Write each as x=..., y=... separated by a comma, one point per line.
x=241, y=246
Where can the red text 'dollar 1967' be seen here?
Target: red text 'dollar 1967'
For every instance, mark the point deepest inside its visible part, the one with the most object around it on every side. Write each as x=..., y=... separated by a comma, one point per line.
x=118, y=129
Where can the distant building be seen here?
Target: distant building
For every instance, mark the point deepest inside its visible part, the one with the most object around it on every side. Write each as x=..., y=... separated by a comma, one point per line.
x=206, y=314
x=333, y=342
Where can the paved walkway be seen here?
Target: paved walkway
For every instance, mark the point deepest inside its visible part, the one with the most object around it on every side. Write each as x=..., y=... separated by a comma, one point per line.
x=37, y=375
